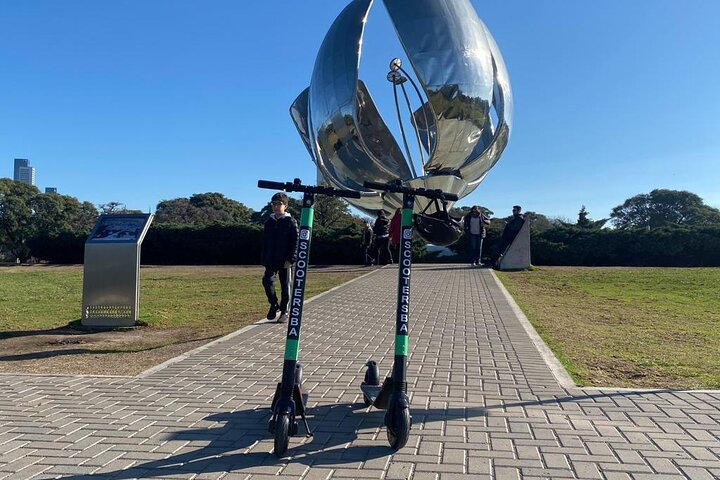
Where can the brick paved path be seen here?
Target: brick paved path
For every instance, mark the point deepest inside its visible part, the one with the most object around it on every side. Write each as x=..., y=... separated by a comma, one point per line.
x=484, y=404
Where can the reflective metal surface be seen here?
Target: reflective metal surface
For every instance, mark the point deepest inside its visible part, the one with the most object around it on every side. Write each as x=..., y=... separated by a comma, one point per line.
x=464, y=121
x=299, y=115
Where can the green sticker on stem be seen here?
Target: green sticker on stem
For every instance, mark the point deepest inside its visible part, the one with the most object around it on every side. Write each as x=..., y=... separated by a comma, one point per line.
x=407, y=217
x=291, y=349
x=306, y=217
x=401, y=345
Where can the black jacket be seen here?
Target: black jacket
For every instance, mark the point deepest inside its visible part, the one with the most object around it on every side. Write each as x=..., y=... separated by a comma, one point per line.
x=280, y=240
x=513, y=227
x=381, y=227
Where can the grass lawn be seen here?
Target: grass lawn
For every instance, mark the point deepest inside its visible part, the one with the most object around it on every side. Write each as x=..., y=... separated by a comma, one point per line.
x=225, y=298
x=627, y=327
x=182, y=307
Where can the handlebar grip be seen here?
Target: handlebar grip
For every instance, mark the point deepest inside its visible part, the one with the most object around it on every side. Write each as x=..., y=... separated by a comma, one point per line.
x=451, y=196
x=376, y=185
x=347, y=193
x=271, y=185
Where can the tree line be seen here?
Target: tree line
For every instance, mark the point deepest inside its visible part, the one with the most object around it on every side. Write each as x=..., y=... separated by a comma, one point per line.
x=663, y=227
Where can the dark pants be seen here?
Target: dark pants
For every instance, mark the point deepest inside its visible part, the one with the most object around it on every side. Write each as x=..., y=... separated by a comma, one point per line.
x=268, y=282
x=476, y=242
x=382, y=248
x=368, y=255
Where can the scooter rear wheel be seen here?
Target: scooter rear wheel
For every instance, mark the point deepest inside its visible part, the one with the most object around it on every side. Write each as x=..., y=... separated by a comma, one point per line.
x=282, y=434
x=399, y=435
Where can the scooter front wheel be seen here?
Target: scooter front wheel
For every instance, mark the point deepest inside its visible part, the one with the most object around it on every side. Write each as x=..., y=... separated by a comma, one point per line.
x=282, y=434
x=399, y=430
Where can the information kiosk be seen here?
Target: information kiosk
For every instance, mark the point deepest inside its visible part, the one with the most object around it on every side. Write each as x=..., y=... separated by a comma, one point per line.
x=112, y=270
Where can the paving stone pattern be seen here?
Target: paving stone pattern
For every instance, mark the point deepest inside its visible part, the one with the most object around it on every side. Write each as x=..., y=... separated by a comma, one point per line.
x=484, y=403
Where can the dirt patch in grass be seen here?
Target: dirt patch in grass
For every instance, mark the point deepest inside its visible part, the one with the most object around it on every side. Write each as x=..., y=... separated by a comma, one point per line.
x=182, y=308
x=71, y=351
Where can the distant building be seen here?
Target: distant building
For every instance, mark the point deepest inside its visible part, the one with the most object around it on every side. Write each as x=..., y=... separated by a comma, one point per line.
x=50, y=189
x=24, y=172
x=27, y=175
x=19, y=163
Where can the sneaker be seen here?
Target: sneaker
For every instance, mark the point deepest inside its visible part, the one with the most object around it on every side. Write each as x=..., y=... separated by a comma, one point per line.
x=272, y=312
x=282, y=318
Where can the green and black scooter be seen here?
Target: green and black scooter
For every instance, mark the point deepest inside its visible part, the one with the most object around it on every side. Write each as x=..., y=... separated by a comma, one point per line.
x=288, y=400
x=392, y=394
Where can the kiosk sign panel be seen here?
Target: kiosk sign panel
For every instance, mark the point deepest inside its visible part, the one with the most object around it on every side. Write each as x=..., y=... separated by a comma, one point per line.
x=112, y=270
x=118, y=228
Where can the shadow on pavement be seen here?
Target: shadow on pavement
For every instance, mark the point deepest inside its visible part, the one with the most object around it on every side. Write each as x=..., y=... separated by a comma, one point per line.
x=234, y=445
x=334, y=426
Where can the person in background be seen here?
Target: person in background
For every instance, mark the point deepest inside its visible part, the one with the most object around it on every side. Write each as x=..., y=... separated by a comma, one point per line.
x=382, y=239
x=474, y=224
x=510, y=231
x=394, y=230
x=366, y=244
x=280, y=239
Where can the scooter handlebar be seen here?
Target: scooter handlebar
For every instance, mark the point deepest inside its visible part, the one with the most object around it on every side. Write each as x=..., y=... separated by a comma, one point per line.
x=271, y=185
x=346, y=193
x=451, y=196
x=296, y=186
x=421, y=192
x=379, y=186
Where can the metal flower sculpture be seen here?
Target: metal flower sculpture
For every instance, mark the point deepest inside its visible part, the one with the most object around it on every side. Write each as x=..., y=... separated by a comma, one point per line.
x=461, y=127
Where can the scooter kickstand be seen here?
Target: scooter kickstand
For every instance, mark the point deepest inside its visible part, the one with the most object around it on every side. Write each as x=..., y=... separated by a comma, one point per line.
x=307, y=427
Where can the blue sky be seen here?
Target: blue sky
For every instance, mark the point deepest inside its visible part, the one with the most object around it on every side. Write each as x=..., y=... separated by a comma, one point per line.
x=140, y=101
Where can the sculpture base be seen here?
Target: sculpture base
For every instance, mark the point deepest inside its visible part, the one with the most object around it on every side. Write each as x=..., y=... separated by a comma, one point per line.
x=517, y=255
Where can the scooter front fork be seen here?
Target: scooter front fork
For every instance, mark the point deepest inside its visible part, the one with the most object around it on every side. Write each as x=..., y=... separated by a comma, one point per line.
x=290, y=406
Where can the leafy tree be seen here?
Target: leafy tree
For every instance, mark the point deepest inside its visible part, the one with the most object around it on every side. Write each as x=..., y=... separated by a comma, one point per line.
x=25, y=214
x=238, y=212
x=332, y=212
x=115, y=208
x=584, y=221
x=16, y=214
x=54, y=213
x=294, y=207
x=460, y=212
x=538, y=222
x=663, y=207
x=201, y=209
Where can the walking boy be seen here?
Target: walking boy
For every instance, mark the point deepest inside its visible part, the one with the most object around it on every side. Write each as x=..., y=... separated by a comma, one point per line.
x=280, y=240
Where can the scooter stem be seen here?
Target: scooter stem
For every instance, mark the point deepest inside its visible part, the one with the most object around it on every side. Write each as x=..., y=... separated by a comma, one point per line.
x=402, y=325
x=292, y=342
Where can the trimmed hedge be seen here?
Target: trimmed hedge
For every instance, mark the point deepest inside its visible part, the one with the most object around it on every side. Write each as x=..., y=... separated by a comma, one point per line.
x=225, y=244
x=671, y=246
x=211, y=245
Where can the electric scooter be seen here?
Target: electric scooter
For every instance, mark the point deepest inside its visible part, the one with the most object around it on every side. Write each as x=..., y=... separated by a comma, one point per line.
x=289, y=400
x=392, y=394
